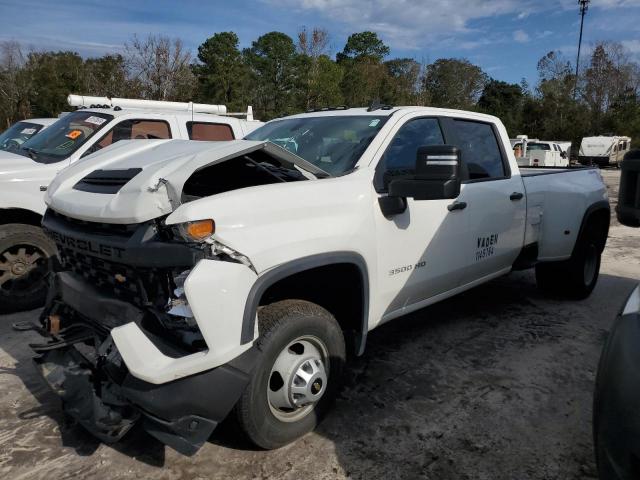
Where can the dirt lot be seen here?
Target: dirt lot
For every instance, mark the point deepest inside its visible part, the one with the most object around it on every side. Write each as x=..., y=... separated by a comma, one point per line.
x=493, y=384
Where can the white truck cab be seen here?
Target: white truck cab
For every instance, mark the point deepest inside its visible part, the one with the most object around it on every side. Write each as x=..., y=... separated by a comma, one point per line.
x=209, y=277
x=26, y=172
x=18, y=133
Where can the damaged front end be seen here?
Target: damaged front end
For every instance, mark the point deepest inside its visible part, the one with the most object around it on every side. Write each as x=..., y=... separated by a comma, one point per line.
x=111, y=277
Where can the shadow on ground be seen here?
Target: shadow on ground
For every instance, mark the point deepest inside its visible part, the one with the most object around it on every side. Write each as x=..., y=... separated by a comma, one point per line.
x=494, y=383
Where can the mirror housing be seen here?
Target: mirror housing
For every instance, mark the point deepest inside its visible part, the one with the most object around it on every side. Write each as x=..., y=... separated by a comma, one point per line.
x=437, y=175
x=628, y=208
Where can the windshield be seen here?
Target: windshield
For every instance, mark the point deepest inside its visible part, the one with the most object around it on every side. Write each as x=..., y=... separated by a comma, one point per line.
x=333, y=143
x=538, y=146
x=18, y=133
x=64, y=137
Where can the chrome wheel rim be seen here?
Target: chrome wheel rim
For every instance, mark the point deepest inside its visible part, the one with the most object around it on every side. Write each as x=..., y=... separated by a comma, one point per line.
x=298, y=379
x=590, y=264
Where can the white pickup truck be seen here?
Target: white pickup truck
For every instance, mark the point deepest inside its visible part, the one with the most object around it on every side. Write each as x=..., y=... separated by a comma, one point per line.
x=196, y=278
x=18, y=133
x=26, y=171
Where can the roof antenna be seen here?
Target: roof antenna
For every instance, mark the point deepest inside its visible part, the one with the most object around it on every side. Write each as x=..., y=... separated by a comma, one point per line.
x=375, y=105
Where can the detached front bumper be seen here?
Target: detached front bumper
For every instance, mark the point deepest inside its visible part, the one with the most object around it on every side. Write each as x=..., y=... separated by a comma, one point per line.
x=616, y=419
x=84, y=367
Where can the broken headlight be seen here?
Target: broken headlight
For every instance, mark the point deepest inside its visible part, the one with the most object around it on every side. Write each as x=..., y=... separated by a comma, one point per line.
x=180, y=317
x=197, y=231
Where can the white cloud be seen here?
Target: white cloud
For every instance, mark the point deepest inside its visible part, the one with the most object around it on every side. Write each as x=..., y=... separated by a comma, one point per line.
x=521, y=36
x=413, y=23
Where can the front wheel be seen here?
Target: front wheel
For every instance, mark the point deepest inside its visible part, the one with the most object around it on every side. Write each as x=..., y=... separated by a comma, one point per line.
x=297, y=380
x=26, y=258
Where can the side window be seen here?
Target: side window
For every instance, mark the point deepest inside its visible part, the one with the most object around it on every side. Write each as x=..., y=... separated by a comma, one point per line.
x=480, y=150
x=400, y=156
x=213, y=132
x=136, y=130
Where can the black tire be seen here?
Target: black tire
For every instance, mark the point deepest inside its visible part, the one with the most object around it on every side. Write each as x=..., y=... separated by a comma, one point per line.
x=280, y=324
x=577, y=277
x=29, y=290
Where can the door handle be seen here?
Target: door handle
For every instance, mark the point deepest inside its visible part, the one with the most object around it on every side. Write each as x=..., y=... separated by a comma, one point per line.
x=457, y=206
x=516, y=196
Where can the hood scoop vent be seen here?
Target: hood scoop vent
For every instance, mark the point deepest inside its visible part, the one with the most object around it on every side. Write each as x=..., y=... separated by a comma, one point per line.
x=106, y=181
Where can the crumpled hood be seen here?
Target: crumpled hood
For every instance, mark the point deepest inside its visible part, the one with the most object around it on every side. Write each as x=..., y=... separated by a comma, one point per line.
x=165, y=165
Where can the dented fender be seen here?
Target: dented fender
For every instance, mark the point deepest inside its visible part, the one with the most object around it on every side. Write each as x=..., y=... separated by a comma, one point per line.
x=216, y=292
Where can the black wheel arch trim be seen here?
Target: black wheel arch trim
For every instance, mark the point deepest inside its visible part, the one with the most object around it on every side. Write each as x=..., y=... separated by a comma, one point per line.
x=299, y=265
x=601, y=205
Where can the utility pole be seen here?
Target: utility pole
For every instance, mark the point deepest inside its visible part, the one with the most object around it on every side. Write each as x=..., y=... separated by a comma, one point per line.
x=584, y=6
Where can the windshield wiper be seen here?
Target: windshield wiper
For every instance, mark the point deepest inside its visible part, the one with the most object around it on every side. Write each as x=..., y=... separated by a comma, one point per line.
x=32, y=152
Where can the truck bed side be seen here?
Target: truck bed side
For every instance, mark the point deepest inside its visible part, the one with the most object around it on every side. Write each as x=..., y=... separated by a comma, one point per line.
x=557, y=200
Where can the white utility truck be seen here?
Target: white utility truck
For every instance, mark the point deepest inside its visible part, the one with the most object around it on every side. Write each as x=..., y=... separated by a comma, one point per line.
x=603, y=150
x=196, y=277
x=540, y=153
x=25, y=173
x=18, y=133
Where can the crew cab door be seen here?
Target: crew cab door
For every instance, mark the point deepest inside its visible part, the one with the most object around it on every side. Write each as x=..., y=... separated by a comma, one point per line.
x=495, y=201
x=418, y=250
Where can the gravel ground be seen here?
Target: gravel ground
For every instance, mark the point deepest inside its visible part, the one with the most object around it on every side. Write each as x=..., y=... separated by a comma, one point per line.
x=493, y=384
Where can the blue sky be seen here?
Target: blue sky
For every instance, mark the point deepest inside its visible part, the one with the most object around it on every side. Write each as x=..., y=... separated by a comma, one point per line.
x=505, y=37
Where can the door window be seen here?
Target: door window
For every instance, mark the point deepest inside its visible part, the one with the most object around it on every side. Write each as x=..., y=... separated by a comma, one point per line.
x=400, y=156
x=213, y=132
x=480, y=150
x=136, y=130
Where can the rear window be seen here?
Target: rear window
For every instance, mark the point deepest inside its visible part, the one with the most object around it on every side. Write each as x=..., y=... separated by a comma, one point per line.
x=211, y=132
x=538, y=146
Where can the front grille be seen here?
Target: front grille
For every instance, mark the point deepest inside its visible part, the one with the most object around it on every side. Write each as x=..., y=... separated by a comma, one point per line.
x=122, y=281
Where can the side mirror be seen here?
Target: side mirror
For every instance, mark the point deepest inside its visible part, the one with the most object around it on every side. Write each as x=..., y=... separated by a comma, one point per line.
x=628, y=208
x=437, y=175
x=563, y=154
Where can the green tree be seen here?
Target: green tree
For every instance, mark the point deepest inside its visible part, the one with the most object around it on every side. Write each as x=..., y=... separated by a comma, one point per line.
x=222, y=73
x=364, y=74
x=275, y=67
x=505, y=101
x=453, y=83
x=320, y=80
x=364, y=45
x=401, y=82
x=53, y=75
x=553, y=113
x=108, y=76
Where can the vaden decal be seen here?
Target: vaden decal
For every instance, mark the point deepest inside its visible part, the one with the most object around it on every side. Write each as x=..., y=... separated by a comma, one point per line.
x=486, y=246
x=406, y=268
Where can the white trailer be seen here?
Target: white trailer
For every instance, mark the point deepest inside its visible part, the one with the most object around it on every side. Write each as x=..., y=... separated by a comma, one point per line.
x=604, y=150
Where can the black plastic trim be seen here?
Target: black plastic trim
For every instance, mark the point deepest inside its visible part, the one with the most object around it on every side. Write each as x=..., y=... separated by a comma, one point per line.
x=306, y=263
x=600, y=205
x=106, y=181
